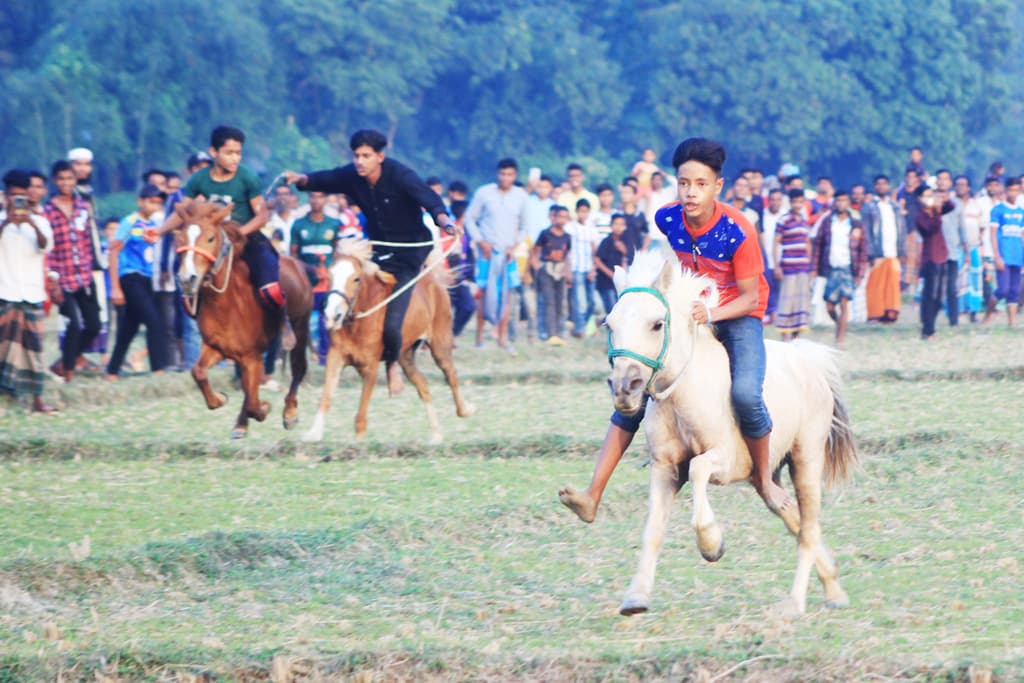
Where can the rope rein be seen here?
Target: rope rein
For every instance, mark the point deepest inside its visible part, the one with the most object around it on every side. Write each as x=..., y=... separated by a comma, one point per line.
x=411, y=283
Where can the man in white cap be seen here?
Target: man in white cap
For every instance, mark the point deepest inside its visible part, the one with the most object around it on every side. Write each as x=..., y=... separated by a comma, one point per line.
x=81, y=164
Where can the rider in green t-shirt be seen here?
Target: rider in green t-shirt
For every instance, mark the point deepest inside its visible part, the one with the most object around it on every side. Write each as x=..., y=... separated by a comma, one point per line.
x=313, y=238
x=228, y=182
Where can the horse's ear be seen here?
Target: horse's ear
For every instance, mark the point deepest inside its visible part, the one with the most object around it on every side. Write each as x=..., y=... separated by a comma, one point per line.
x=619, y=278
x=667, y=275
x=385, y=277
x=222, y=214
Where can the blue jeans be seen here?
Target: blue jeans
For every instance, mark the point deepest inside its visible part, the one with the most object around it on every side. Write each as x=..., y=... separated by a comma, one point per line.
x=190, y=337
x=319, y=323
x=608, y=299
x=743, y=339
x=582, y=301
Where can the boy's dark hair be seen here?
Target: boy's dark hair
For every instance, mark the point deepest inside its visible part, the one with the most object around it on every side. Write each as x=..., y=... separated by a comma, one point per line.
x=458, y=186
x=880, y=176
x=751, y=169
x=841, y=193
x=915, y=148
x=791, y=178
x=603, y=187
x=993, y=179
x=656, y=173
x=616, y=216
x=823, y=177
x=1013, y=181
x=911, y=170
x=581, y=203
x=921, y=189
x=149, y=172
x=796, y=194
x=36, y=173
x=962, y=177
x=459, y=207
x=507, y=162
x=16, y=177
x=172, y=174
x=774, y=190
x=629, y=180
x=546, y=178
x=944, y=170
x=110, y=219
x=58, y=167
x=558, y=208
x=221, y=134
x=368, y=137
x=573, y=167
x=702, y=150
x=433, y=180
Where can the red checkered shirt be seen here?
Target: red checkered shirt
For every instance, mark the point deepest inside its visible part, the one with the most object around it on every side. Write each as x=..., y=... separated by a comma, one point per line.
x=72, y=245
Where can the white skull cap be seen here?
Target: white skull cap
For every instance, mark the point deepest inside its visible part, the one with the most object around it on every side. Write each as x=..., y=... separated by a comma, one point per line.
x=80, y=154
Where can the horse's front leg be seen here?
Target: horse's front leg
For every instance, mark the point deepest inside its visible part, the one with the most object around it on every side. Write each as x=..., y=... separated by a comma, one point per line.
x=332, y=375
x=664, y=485
x=368, y=374
x=709, y=534
x=208, y=357
x=252, y=406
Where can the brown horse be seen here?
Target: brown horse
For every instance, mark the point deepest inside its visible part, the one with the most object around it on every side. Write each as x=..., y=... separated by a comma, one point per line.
x=219, y=294
x=355, y=317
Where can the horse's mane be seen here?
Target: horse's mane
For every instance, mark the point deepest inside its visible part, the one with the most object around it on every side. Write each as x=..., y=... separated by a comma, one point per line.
x=691, y=286
x=359, y=249
x=200, y=208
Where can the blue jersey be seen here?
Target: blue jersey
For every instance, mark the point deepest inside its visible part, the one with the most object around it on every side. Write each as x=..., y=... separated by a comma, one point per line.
x=137, y=254
x=1008, y=223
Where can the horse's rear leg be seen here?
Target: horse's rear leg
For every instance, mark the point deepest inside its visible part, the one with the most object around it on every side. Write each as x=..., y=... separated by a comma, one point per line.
x=252, y=406
x=299, y=367
x=368, y=375
x=811, y=551
x=208, y=356
x=441, y=349
x=332, y=373
x=408, y=362
x=664, y=485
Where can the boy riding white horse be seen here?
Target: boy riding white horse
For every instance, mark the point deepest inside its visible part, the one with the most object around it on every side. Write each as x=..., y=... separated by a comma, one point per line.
x=715, y=240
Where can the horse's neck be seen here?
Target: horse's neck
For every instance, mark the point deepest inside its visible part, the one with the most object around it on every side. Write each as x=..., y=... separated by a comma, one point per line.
x=239, y=283
x=371, y=294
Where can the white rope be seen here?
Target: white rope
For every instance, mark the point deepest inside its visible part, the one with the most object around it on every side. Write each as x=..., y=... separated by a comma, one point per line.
x=378, y=243
x=397, y=293
x=227, y=280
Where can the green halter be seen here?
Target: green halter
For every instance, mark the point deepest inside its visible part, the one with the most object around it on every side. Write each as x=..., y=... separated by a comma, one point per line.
x=655, y=364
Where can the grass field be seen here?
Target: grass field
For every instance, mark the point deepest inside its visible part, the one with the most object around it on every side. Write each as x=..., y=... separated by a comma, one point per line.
x=139, y=543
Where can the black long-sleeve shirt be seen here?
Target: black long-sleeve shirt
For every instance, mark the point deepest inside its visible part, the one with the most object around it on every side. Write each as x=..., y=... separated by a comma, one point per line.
x=393, y=208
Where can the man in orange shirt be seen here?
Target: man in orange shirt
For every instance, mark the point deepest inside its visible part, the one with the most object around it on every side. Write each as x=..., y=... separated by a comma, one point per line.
x=717, y=241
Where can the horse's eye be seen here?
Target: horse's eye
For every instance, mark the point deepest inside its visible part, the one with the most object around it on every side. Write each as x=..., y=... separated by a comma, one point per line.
x=210, y=240
x=658, y=325
x=357, y=279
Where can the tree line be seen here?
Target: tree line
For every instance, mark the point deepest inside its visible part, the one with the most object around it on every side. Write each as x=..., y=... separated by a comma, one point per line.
x=843, y=87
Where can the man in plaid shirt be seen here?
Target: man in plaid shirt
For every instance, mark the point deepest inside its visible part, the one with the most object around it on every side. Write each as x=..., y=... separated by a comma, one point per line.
x=72, y=260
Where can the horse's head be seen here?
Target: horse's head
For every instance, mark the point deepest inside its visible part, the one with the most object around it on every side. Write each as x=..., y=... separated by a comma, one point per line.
x=201, y=242
x=351, y=269
x=649, y=328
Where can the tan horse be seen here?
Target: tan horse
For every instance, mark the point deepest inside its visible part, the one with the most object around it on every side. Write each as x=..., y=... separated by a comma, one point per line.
x=692, y=431
x=359, y=286
x=233, y=324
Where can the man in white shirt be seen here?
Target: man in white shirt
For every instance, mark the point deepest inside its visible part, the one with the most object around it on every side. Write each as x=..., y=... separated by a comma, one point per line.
x=886, y=230
x=496, y=222
x=25, y=238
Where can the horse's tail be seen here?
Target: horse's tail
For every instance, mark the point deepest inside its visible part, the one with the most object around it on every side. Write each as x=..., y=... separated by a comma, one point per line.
x=841, y=447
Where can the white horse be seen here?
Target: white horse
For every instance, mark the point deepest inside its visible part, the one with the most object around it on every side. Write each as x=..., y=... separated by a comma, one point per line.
x=692, y=432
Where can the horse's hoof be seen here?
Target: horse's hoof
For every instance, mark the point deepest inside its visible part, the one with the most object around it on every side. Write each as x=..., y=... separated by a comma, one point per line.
x=716, y=555
x=436, y=439
x=838, y=601
x=239, y=433
x=711, y=542
x=261, y=414
x=220, y=402
x=468, y=410
x=633, y=604
x=290, y=422
x=788, y=608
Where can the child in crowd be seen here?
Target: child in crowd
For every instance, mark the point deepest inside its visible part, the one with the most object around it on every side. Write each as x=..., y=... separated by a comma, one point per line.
x=550, y=262
x=615, y=250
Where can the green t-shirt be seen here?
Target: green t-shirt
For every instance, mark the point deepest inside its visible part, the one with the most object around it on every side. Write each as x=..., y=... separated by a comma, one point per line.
x=240, y=190
x=315, y=239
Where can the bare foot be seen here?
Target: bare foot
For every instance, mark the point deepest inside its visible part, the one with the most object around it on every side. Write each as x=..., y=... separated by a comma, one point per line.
x=776, y=498
x=395, y=383
x=579, y=502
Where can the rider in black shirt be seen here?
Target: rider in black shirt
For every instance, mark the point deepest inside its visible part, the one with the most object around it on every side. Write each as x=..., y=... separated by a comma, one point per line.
x=392, y=197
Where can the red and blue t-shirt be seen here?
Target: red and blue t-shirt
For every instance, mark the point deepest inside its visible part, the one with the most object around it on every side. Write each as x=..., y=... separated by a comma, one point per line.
x=726, y=249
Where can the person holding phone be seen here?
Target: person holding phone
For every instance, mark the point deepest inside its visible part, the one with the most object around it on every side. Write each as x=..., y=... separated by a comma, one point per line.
x=25, y=239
